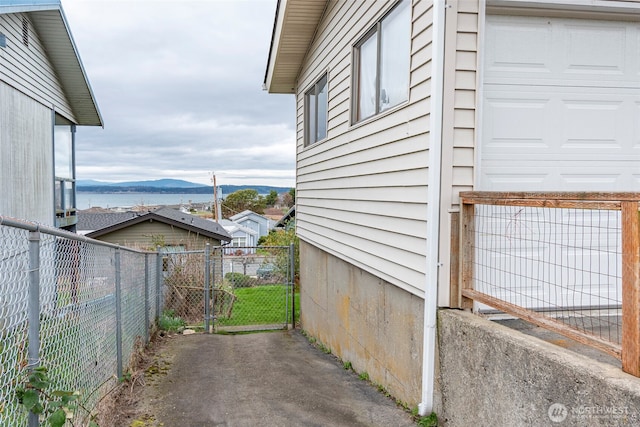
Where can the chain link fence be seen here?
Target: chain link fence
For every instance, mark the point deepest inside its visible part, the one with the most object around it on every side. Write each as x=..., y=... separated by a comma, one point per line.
x=80, y=307
x=75, y=306
x=235, y=289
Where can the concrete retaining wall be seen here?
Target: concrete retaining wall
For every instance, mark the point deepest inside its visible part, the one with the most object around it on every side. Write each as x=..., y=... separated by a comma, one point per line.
x=363, y=320
x=491, y=375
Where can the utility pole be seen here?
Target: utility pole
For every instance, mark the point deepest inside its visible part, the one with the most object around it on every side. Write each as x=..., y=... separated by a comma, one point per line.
x=215, y=197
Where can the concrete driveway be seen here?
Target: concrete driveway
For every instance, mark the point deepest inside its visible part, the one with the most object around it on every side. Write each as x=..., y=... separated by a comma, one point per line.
x=261, y=379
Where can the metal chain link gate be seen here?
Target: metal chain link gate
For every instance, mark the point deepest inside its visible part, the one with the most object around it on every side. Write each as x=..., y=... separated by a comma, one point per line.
x=231, y=289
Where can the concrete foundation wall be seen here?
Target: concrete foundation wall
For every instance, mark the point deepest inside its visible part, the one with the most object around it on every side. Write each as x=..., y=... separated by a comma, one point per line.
x=490, y=375
x=363, y=320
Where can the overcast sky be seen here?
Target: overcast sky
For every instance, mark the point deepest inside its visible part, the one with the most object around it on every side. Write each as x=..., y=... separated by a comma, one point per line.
x=179, y=86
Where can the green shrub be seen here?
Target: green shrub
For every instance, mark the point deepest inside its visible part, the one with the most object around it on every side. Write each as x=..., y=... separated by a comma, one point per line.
x=169, y=322
x=239, y=280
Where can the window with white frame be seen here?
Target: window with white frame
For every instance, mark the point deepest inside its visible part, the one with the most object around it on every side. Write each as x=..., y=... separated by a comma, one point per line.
x=316, y=106
x=381, y=64
x=239, y=242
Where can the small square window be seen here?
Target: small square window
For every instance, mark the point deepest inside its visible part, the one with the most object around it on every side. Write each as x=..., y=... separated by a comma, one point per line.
x=316, y=107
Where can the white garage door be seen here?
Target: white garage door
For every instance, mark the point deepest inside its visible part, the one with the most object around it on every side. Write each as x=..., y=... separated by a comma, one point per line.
x=561, y=112
x=561, y=107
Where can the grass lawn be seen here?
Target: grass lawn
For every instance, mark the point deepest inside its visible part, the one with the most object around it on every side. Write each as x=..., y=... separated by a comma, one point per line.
x=260, y=305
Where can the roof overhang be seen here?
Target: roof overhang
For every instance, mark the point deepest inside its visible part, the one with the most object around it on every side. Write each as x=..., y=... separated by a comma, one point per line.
x=221, y=235
x=51, y=25
x=294, y=29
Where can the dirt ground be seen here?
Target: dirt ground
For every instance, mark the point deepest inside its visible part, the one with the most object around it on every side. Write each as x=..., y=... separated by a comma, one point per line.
x=125, y=406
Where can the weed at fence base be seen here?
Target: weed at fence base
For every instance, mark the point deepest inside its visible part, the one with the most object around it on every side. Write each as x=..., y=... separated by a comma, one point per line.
x=169, y=322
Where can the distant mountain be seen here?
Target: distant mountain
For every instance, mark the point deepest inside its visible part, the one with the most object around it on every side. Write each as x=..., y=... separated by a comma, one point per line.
x=157, y=183
x=167, y=186
x=86, y=182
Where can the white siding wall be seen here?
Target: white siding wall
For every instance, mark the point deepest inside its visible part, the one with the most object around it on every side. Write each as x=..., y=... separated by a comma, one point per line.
x=361, y=194
x=459, y=121
x=27, y=68
x=26, y=157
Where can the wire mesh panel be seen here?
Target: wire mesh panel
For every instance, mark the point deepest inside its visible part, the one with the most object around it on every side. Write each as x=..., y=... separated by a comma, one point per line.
x=14, y=280
x=565, y=263
x=77, y=330
x=132, y=283
x=152, y=288
x=253, y=289
x=184, y=285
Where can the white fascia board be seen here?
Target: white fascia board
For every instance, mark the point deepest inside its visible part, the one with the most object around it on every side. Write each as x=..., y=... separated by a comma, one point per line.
x=275, y=43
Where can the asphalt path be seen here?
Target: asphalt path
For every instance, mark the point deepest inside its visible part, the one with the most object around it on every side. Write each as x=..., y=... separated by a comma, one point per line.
x=261, y=379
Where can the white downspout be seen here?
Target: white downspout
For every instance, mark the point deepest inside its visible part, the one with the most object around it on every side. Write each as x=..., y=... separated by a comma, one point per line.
x=433, y=210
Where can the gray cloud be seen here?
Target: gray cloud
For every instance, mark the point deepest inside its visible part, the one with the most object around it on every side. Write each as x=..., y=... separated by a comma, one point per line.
x=178, y=84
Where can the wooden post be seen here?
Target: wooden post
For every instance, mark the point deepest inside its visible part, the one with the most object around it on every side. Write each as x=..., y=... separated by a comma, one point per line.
x=631, y=288
x=467, y=251
x=454, y=274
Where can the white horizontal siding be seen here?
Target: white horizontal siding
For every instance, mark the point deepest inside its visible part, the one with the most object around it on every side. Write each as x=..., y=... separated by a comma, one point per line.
x=384, y=208
x=361, y=194
x=28, y=69
x=389, y=265
x=459, y=121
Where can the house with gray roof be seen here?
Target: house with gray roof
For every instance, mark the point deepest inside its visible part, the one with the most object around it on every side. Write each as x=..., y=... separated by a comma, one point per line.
x=165, y=227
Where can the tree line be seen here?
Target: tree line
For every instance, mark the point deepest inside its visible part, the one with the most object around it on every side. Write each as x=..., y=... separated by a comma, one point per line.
x=250, y=199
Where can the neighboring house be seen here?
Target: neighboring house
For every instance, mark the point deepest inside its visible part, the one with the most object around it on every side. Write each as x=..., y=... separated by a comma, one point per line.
x=254, y=221
x=44, y=95
x=241, y=236
x=165, y=227
x=403, y=104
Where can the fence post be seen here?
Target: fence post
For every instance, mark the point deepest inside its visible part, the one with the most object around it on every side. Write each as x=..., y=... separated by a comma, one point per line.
x=147, y=305
x=207, y=280
x=158, y=281
x=118, y=314
x=631, y=288
x=467, y=211
x=34, y=310
x=454, y=273
x=292, y=282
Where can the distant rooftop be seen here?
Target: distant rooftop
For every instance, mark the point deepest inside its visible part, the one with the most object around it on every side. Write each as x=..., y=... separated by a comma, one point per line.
x=107, y=222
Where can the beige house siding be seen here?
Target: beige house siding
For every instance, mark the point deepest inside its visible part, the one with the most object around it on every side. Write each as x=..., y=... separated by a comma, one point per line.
x=145, y=234
x=27, y=68
x=26, y=158
x=361, y=193
x=459, y=121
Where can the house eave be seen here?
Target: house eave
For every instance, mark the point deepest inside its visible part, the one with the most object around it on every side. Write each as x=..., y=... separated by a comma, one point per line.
x=51, y=25
x=294, y=29
x=151, y=216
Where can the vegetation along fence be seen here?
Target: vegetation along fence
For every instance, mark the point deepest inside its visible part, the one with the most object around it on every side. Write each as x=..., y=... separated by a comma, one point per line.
x=569, y=262
x=246, y=288
x=72, y=311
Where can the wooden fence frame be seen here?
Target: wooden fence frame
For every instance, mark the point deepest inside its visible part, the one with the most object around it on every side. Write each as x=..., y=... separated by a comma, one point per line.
x=628, y=203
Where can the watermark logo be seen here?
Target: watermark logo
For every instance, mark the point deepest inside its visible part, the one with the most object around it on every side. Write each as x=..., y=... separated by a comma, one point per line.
x=557, y=412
